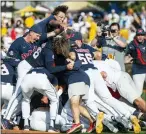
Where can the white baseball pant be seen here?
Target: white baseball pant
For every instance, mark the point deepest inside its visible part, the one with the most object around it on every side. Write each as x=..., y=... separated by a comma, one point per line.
x=22, y=69
x=139, y=82
x=7, y=92
x=38, y=82
x=127, y=88
x=102, y=91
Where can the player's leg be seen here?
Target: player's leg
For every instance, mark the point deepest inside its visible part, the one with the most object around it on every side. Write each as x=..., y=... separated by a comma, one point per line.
x=22, y=70
x=127, y=90
x=139, y=82
x=16, y=98
x=47, y=89
x=86, y=114
x=102, y=91
x=75, y=91
x=27, y=91
x=105, y=95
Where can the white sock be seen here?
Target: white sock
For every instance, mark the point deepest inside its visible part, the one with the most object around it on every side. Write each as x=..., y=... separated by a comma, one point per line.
x=26, y=122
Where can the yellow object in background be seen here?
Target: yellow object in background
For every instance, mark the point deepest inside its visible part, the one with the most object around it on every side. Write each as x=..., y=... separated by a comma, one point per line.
x=29, y=21
x=124, y=33
x=4, y=31
x=92, y=31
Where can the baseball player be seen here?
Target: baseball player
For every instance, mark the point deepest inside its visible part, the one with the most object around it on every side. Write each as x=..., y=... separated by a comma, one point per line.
x=31, y=40
x=85, y=53
x=8, y=81
x=121, y=81
x=137, y=50
x=36, y=59
x=31, y=83
x=42, y=57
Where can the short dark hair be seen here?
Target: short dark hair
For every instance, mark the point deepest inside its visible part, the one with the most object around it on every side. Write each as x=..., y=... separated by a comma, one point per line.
x=61, y=8
x=115, y=24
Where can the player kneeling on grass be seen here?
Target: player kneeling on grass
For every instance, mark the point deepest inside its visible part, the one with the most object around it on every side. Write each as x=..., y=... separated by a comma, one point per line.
x=39, y=80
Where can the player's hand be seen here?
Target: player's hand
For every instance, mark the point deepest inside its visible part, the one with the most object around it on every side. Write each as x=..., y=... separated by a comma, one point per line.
x=44, y=100
x=103, y=74
x=70, y=66
x=70, y=61
x=128, y=59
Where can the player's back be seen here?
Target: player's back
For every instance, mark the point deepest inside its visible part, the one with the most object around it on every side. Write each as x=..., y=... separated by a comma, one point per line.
x=85, y=54
x=8, y=73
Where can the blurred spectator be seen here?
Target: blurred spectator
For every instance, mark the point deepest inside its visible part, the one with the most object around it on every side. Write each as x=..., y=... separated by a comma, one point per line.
x=113, y=17
x=124, y=32
x=76, y=25
x=7, y=41
x=37, y=19
x=96, y=39
x=4, y=29
x=143, y=18
x=19, y=28
x=129, y=18
x=122, y=19
x=92, y=30
x=82, y=16
x=84, y=26
x=89, y=17
x=113, y=45
x=13, y=33
x=70, y=19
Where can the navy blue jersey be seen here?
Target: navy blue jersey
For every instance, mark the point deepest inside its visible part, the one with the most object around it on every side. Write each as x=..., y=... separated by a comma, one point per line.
x=8, y=73
x=44, y=57
x=50, y=76
x=71, y=76
x=85, y=54
x=137, y=67
x=20, y=49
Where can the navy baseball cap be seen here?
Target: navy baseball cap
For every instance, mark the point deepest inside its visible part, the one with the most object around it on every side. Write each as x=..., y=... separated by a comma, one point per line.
x=36, y=29
x=75, y=36
x=140, y=31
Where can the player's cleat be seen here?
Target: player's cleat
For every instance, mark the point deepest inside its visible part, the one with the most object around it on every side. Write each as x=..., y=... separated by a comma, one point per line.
x=75, y=128
x=65, y=127
x=26, y=127
x=53, y=130
x=136, y=126
x=99, y=125
x=91, y=127
x=124, y=121
x=6, y=124
x=110, y=126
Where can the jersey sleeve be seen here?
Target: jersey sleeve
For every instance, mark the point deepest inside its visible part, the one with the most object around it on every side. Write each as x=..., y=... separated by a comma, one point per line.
x=49, y=62
x=14, y=51
x=129, y=49
x=12, y=62
x=92, y=50
x=43, y=38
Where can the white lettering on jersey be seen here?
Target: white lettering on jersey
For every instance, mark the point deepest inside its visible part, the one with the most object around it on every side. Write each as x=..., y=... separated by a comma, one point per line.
x=4, y=70
x=85, y=58
x=36, y=53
